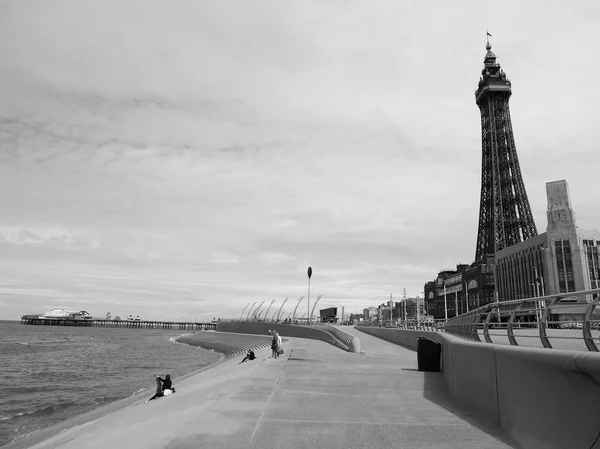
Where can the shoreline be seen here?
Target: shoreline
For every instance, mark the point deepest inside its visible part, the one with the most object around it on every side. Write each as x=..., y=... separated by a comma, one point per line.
x=228, y=349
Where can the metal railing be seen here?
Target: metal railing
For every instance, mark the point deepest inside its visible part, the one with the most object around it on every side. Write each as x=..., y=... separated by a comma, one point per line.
x=290, y=322
x=534, y=313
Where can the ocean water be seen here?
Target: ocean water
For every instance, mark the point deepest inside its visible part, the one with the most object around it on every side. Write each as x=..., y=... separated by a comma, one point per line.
x=50, y=374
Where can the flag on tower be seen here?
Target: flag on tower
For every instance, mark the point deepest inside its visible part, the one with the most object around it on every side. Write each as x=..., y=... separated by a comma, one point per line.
x=488, y=33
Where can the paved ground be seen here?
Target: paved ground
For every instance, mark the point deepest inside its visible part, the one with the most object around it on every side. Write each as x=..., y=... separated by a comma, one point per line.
x=314, y=396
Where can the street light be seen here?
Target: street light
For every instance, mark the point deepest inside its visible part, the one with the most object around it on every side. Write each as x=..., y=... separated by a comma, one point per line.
x=445, y=304
x=308, y=300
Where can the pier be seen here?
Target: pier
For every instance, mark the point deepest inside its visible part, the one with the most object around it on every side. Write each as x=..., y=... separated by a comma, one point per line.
x=36, y=320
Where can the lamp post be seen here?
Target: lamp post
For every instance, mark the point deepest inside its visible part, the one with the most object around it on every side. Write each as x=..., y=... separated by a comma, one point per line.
x=456, y=303
x=308, y=300
x=404, y=302
x=445, y=304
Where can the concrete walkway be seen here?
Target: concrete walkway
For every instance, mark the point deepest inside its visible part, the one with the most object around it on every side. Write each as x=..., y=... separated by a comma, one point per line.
x=314, y=396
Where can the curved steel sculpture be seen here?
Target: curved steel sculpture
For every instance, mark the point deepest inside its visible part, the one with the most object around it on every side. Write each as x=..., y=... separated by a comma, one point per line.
x=312, y=312
x=294, y=313
x=242, y=314
x=248, y=316
x=267, y=312
x=257, y=309
x=279, y=311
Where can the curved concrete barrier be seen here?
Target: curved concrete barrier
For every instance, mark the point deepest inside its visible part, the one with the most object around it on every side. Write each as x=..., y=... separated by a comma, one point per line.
x=323, y=333
x=352, y=342
x=544, y=398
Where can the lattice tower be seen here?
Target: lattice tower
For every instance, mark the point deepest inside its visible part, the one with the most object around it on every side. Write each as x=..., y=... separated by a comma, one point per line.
x=504, y=213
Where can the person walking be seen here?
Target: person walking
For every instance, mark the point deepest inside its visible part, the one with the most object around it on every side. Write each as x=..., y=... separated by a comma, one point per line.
x=279, y=345
x=274, y=345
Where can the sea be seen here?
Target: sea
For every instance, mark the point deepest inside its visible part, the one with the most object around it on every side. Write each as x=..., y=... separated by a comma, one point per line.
x=50, y=374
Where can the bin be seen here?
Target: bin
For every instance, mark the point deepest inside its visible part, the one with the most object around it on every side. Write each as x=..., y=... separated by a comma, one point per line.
x=429, y=355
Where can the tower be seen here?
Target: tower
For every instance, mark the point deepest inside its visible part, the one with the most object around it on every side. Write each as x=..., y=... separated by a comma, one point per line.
x=504, y=213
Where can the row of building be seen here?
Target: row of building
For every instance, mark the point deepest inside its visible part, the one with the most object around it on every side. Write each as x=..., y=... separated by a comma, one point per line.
x=408, y=308
x=561, y=260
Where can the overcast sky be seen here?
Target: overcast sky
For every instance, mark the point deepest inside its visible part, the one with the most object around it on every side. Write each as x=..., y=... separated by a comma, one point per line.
x=180, y=159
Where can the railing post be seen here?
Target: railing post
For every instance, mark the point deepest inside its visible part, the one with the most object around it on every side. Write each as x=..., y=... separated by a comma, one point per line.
x=475, y=324
x=509, y=328
x=486, y=325
x=542, y=324
x=587, y=332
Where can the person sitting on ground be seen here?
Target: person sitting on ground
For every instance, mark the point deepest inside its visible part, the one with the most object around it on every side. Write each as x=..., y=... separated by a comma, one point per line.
x=249, y=356
x=167, y=385
x=162, y=386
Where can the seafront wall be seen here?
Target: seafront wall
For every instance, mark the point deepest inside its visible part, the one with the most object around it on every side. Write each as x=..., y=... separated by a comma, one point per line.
x=542, y=397
x=227, y=344
x=329, y=334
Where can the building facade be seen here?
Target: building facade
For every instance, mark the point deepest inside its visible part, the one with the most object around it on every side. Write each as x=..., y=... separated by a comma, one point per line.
x=454, y=292
x=564, y=259
x=370, y=313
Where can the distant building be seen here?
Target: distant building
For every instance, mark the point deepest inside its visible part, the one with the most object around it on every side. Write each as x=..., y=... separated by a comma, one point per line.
x=355, y=318
x=370, y=313
x=384, y=313
x=329, y=315
x=564, y=259
x=454, y=292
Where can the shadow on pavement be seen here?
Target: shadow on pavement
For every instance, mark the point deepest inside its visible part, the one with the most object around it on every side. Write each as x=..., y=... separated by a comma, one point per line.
x=434, y=390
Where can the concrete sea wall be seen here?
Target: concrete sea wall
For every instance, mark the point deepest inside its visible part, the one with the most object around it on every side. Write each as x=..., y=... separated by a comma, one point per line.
x=329, y=334
x=543, y=397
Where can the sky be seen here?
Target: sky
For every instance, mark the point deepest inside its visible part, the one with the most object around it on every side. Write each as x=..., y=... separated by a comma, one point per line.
x=180, y=159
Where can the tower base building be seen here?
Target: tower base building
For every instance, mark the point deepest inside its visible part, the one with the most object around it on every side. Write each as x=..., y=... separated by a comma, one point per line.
x=563, y=259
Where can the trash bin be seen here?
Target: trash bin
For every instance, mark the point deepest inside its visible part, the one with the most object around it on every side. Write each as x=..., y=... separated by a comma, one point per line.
x=429, y=355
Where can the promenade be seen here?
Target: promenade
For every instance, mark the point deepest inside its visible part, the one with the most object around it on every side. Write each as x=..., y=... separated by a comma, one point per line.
x=314, y=396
